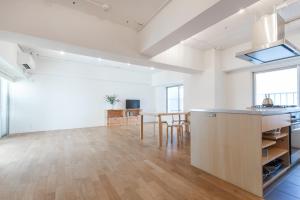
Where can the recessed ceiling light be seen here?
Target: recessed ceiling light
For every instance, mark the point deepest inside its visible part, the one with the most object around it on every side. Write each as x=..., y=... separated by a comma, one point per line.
x=62, y=52
x=105, y=7
x=241, y=11
x=181, y=42
x=100, y=59
x=152, y=68
x=128, y=64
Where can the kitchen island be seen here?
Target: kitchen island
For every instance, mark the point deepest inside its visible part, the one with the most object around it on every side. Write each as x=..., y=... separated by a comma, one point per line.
x=233, y=144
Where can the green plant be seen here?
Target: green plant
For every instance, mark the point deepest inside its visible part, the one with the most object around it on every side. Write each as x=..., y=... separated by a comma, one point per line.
x=111, y=99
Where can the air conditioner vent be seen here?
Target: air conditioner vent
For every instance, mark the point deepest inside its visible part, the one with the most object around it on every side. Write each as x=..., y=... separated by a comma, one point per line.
x=26, y=66
x=25, y=60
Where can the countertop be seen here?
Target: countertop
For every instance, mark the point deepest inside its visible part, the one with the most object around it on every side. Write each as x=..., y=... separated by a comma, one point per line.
x=252, y=111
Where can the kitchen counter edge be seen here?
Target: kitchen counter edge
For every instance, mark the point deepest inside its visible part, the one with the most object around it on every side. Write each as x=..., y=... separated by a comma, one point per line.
x=255, y=111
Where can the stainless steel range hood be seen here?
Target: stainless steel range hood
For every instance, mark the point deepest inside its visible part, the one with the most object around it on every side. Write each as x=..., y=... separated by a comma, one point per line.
x=269, y=43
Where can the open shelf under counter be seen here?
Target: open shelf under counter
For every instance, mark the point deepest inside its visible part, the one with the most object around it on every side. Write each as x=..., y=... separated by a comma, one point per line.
x=275, y=137
x=273, y=153
x=274, y=176
x=268, y=143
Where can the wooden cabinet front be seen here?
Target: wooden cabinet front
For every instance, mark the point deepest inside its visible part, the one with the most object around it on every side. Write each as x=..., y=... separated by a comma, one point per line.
x=275, y=121
x=228, y=146
x=119, y=117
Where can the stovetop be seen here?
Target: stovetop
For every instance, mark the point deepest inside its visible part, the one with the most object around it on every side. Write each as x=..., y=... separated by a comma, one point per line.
x=274, y=106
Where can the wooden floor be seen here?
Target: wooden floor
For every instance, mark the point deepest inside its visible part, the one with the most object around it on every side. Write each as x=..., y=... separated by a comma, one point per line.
x=103, y=163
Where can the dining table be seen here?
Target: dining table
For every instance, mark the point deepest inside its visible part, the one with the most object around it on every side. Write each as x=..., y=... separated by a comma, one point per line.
x=158, y=119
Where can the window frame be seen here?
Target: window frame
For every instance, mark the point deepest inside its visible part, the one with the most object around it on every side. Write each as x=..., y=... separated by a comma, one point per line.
x=167, y=96
x=272, y=70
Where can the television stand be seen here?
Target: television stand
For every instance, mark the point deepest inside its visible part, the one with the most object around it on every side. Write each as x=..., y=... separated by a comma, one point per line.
x=119, y=117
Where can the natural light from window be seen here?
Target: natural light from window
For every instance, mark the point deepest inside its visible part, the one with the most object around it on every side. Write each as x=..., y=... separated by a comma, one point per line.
x=281, y=85
x=175, y=99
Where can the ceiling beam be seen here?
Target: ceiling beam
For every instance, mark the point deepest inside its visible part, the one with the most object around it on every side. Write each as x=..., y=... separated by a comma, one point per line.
x=180, y=20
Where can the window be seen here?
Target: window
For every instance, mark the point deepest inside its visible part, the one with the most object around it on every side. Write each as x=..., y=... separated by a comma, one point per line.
x=175, y=98
x=281, y=85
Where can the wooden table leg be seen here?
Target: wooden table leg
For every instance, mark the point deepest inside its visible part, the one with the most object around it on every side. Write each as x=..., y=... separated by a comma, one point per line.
x=142, y=128
x=160, y=131
x=186, y=125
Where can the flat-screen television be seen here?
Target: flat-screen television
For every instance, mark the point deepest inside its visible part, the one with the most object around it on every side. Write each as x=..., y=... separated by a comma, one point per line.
x=132, y=104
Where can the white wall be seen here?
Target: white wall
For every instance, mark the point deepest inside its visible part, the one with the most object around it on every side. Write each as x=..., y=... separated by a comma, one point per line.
x=231, y=90
x=4, y=96
x=160, y=99
x=162, y=80
x=181, y=55
x=239, y=89
x=63, y=95
x=230, y=62
x=199, y=88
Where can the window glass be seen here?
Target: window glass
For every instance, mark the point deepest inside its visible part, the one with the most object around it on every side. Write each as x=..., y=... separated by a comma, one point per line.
x=175, y=99
x=181, y=98
x=281, y=85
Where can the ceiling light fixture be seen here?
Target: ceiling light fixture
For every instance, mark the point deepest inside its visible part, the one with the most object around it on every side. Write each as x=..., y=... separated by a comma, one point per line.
x=152, y=68
x=62, y=52
x=105, y=7
x=100, y=59
x=128, y=64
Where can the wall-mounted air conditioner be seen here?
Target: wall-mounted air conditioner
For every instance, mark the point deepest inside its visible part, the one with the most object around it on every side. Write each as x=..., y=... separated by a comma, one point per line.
x=26, y=61
x=9, y=67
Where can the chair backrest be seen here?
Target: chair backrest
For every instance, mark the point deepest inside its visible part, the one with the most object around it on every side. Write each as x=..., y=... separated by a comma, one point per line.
x=174, y=118
x=168, y=119
x=188, y=117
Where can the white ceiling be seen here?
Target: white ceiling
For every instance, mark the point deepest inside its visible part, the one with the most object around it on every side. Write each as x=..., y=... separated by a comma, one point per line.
x=134, y=14
x=237, y=28
x=70, y=57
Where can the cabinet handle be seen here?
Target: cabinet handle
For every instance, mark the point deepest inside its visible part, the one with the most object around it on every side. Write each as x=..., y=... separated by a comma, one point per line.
x=212, y=115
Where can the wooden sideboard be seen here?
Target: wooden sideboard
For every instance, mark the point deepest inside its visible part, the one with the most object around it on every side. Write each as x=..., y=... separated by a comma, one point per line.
x=118, y=117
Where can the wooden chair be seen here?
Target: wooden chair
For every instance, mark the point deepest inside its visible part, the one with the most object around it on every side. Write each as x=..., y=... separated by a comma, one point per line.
x=175, y=123
x=186, y=123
